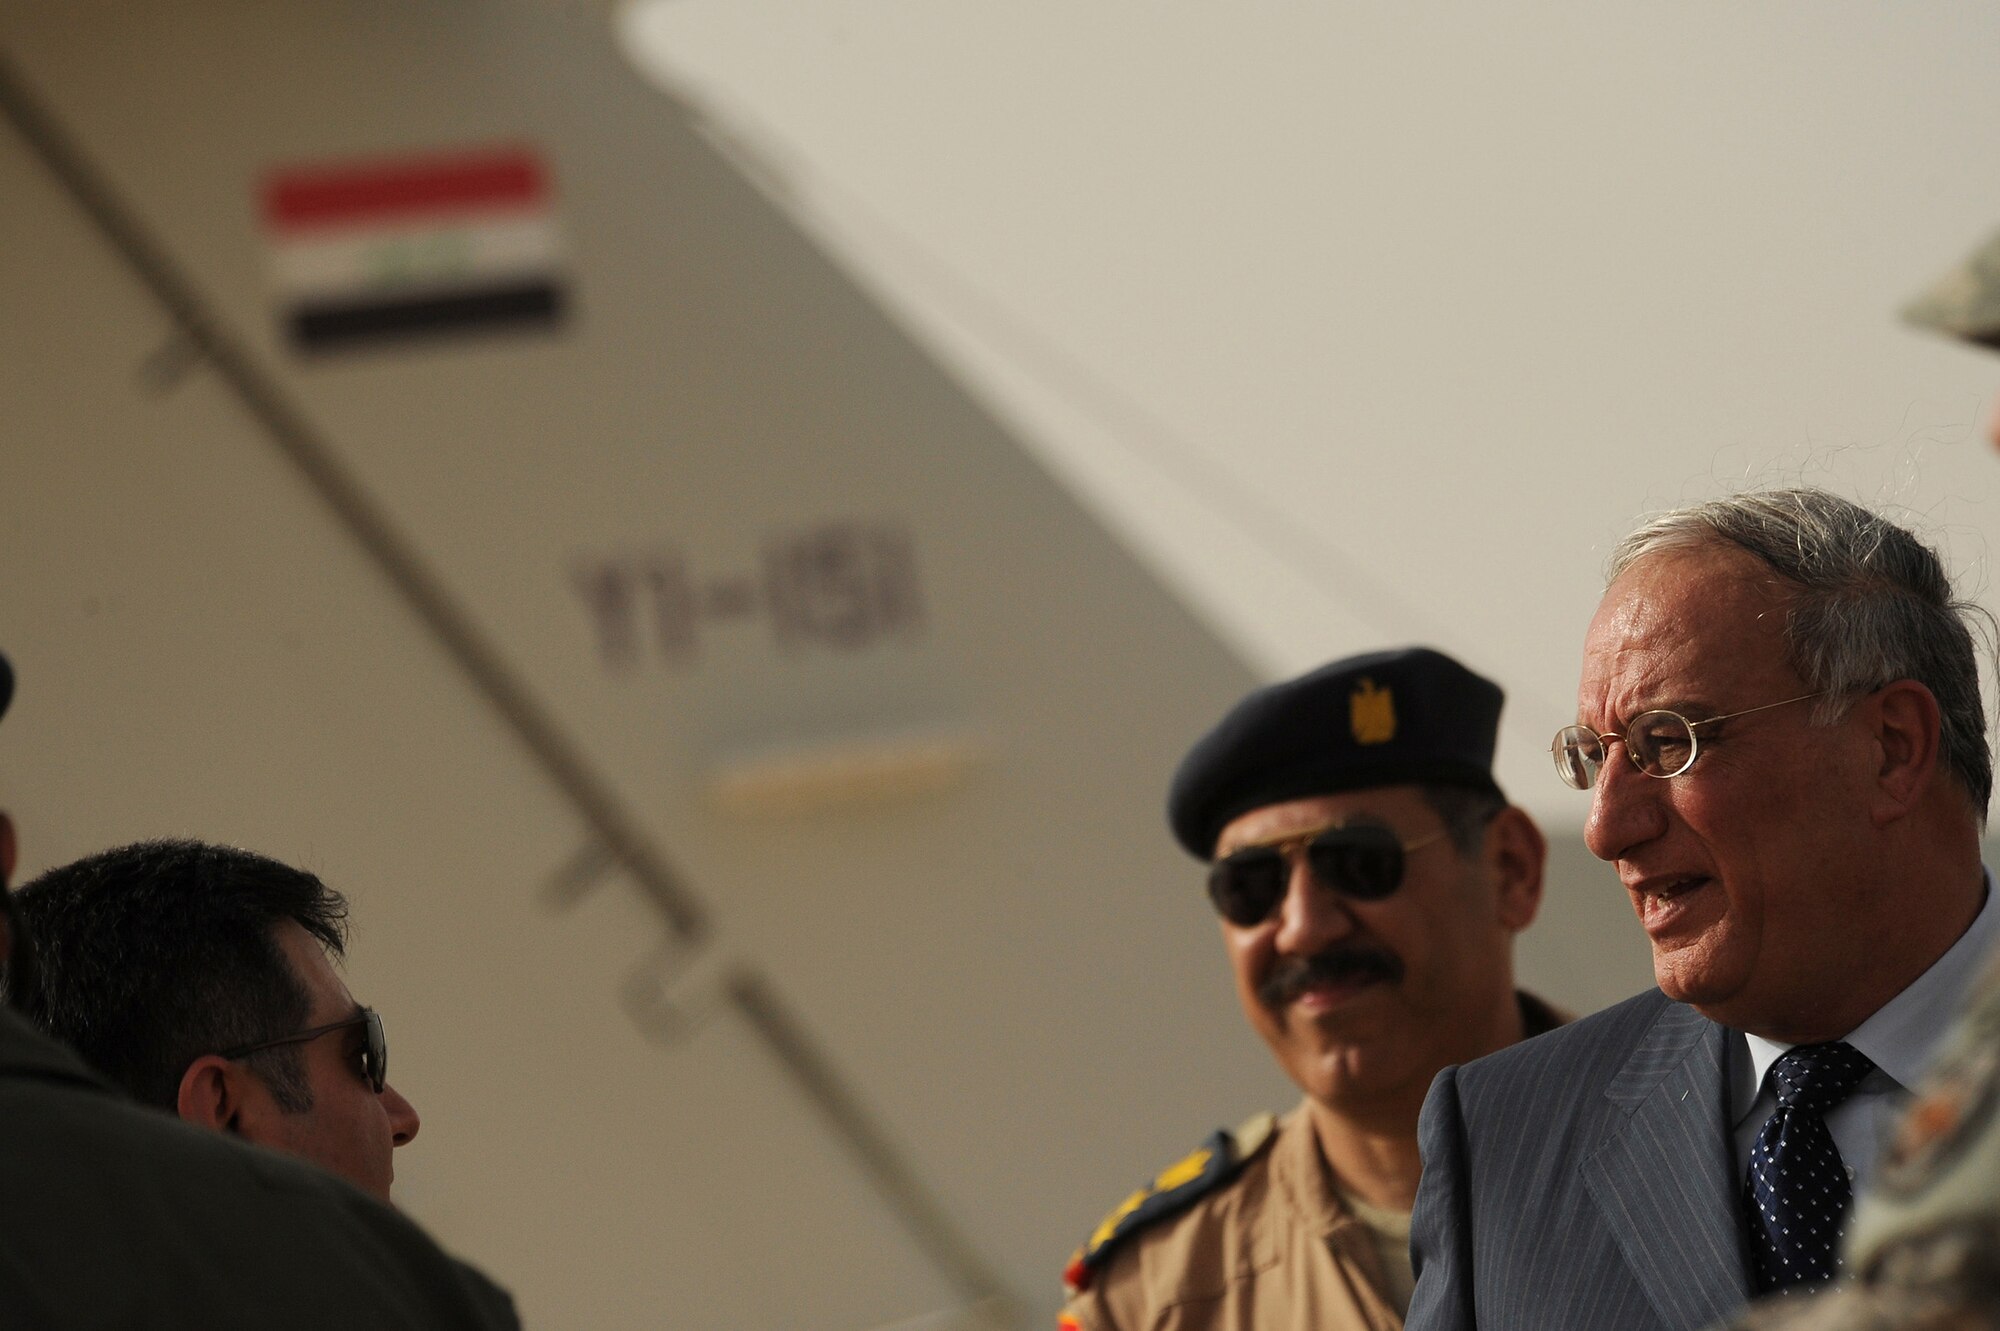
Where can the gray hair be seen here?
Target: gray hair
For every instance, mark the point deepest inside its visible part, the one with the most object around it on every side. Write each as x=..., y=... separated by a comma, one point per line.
x=1872, y=604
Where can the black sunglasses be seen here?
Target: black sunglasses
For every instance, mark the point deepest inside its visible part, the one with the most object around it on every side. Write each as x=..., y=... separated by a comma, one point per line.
x=1363, y=861
x=374, y=1051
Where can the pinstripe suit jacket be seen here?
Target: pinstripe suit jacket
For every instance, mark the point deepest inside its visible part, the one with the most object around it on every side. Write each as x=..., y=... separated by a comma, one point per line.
x=1583, y=1181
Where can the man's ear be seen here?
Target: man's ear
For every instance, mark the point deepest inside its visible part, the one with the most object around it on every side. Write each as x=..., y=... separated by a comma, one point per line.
x=211, y=1094
x=1516, y=853
x=1908, y=734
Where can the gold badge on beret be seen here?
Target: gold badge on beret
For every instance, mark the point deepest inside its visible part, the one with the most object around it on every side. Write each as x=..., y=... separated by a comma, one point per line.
x=1371, y=713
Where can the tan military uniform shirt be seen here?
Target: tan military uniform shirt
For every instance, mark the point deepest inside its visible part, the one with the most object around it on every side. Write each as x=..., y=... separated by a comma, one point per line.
x=1274, y=1249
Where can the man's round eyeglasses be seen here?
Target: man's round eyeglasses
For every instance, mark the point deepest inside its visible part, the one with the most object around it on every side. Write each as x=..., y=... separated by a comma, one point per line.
x=374, y=1049
x=1659, y=743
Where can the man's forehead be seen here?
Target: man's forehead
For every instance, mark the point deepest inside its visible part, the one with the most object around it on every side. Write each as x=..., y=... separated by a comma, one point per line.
x=1684, y=619
x=1719, y=579
x=1275, y=822
x=314, y=969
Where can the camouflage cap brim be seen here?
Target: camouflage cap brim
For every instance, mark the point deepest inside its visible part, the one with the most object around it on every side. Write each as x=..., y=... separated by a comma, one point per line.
x=1966, y=302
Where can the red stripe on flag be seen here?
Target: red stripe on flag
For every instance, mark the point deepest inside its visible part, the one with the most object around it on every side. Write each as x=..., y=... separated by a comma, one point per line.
x=298, y=198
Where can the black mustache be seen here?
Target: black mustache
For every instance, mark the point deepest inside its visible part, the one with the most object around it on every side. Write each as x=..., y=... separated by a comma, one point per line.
x=1293, y=976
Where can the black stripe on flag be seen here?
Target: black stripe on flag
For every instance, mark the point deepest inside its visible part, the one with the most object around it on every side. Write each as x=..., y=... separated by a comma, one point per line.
x=328, y=325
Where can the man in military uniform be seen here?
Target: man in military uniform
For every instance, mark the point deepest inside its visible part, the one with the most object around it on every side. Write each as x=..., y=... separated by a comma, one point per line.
x=115, y=1215
x=1924, y=1248
x=1370, y=879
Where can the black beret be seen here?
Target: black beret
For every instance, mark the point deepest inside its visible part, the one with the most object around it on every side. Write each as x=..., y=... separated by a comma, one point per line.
x=1383, y=719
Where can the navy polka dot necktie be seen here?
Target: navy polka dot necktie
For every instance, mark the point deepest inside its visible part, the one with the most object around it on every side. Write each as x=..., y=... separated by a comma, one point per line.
x=1796, y=1195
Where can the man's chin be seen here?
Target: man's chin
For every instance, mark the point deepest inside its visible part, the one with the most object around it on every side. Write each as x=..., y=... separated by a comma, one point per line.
x=1697, y=986
x=1339, y=1044
x=1355, y=1078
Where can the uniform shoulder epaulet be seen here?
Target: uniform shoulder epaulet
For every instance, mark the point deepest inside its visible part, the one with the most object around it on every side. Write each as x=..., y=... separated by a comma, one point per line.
x=1215, y=1162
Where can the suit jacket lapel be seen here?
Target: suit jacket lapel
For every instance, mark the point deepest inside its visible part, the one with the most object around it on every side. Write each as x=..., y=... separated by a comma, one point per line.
x=1666, y=1179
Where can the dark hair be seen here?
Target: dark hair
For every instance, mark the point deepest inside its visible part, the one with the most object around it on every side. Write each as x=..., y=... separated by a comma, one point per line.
x=1871, y=603
x=151, y=955
x=1465, y=812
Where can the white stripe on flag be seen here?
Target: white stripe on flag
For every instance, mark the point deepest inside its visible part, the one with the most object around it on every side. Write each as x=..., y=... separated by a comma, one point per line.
x=396, y=259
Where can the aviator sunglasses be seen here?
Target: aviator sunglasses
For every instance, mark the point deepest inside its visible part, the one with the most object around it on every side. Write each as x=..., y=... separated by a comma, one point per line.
x=1363, y=861
x=374, y=1049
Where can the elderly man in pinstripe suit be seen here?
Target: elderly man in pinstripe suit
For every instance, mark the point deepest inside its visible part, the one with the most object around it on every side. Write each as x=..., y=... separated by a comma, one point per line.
x=1781, y=729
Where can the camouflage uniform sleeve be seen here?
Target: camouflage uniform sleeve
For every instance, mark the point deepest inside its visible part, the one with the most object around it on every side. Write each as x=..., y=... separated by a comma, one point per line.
x=1948, y=1281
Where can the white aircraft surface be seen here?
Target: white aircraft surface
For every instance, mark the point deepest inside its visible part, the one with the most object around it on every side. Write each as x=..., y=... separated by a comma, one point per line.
x=521, y=462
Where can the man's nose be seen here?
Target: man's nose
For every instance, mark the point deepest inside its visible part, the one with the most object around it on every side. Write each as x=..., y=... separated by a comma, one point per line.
x=1624, y=808
x=1312, y=915
x=403, y=1120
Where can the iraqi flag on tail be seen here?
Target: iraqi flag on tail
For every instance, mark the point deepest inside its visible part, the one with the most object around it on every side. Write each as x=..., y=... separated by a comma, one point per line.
x=365, y=252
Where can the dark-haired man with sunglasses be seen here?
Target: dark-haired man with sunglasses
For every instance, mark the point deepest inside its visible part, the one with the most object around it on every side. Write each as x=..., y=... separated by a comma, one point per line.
x=1781, y=736
x=200, y=978
x=1370, y=878
x=113, y=1215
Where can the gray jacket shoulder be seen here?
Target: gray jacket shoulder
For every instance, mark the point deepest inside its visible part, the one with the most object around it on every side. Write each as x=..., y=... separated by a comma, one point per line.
x=1586, y=1051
